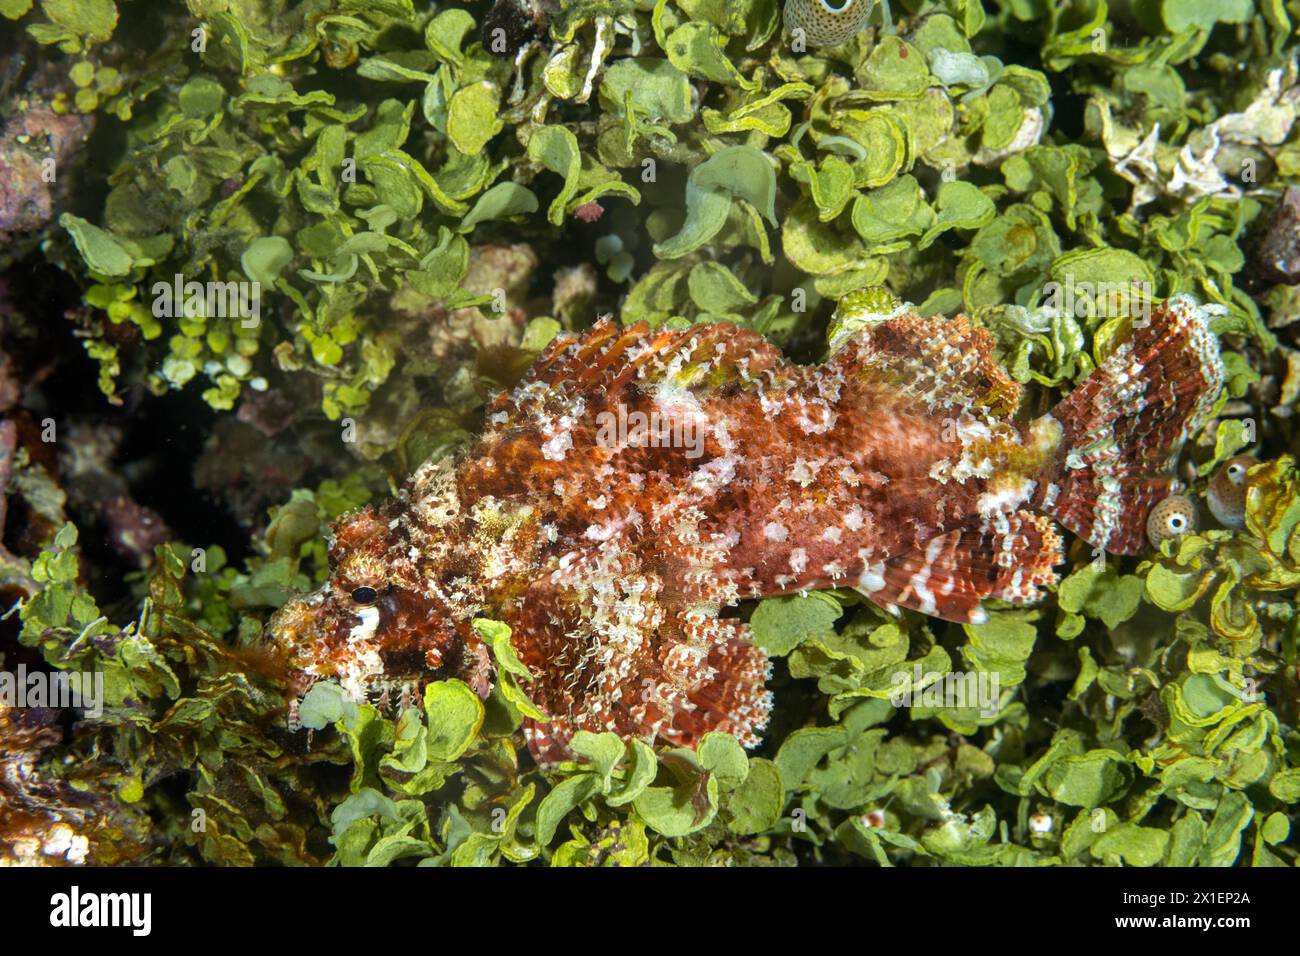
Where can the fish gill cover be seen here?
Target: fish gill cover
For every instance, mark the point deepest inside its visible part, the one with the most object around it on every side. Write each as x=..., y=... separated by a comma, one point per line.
x=274, y=275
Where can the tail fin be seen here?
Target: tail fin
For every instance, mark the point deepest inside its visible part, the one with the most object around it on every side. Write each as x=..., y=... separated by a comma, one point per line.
x=1121, y=430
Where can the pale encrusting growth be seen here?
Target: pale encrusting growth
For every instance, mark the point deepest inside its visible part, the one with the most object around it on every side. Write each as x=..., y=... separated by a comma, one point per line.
x=1171, y=518
x=1226, y=494
x=826, y=22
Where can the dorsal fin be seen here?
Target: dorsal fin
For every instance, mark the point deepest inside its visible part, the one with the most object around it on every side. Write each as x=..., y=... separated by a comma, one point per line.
x=607, y=359
x=940, y=363
x=641, y=401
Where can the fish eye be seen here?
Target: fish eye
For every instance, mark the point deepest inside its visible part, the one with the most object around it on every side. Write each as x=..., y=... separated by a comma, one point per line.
x=1236, y=471
x=365, y=595
x=1177, y=523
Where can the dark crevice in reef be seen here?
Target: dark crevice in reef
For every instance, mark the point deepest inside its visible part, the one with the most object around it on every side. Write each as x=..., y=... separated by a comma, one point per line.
x=154, y=442
x=180, y=422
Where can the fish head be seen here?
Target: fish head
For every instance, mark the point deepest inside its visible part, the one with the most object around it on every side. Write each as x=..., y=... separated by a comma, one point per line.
x=382, y=622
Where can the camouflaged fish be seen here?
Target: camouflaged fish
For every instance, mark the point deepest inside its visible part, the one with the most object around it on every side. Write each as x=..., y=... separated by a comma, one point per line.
x=638, y=482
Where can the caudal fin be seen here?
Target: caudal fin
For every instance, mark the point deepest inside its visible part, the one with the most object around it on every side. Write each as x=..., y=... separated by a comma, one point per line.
x=1121, y=430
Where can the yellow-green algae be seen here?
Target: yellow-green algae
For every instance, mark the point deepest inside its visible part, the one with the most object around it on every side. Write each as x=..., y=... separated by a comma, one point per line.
x=354, y=156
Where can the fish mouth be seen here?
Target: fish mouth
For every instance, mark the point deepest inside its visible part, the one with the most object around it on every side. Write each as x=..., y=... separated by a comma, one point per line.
x=294, y=631
x=290, y=620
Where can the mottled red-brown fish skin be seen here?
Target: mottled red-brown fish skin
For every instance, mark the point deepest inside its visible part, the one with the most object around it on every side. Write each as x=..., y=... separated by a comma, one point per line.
x=639, y=482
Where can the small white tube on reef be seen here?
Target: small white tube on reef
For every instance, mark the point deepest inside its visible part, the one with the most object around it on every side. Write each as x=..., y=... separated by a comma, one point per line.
x=828, y=22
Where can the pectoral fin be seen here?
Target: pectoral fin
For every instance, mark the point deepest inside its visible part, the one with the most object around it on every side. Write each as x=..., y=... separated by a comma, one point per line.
x=1007, y=556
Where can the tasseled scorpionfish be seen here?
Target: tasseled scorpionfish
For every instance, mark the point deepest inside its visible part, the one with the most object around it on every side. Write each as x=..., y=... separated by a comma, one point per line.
x=639, y=481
